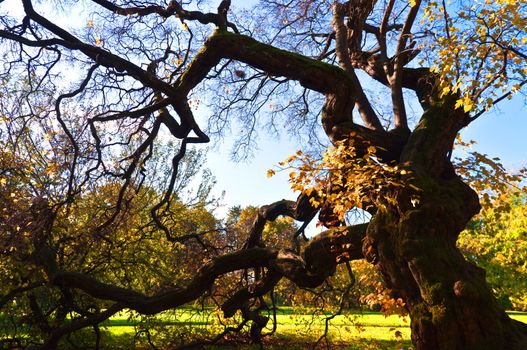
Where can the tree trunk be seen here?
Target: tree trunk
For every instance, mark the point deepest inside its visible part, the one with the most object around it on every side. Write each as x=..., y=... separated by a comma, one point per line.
x=413, y=243
x=450, y=305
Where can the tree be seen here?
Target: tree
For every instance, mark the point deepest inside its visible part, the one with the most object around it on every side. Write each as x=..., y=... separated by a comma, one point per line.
x=495, y=240
x=140, y=70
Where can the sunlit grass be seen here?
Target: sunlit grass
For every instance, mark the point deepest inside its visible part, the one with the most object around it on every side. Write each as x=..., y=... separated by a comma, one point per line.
x=367, y=330
x=295, y=329
x=518, y=316
x=352, y=331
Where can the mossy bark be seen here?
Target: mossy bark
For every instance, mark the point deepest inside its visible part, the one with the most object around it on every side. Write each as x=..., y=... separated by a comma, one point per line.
x=450, y=305
x=414, y=246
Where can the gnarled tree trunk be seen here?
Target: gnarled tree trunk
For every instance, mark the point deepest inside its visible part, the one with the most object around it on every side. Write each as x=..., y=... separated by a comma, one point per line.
x=450, y=304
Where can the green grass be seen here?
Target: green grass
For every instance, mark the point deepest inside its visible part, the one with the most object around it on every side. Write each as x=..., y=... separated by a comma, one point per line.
x=353, y=331
x=367, y=330
x=295, y=330
x=519, y=316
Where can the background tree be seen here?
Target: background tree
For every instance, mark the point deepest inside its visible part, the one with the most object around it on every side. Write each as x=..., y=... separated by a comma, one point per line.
x=141, y=68
x=495, y=240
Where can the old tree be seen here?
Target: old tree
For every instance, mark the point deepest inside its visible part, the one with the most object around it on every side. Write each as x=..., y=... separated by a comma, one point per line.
x=92, y=218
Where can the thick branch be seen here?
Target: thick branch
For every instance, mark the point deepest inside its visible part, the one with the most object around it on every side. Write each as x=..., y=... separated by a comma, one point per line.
x=335, y=246
x=108, y=59
x=341, y=36
x=203, y=280
x=311, y=74
x=399, y=112
x=383, y=29
x=318, y=262
x=300, y=210
x=239, y=299
x=367, y=113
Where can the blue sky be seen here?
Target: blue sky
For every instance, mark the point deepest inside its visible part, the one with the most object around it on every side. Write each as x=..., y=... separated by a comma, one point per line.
x=247, y=183
x=499, y=133
x=502, y=133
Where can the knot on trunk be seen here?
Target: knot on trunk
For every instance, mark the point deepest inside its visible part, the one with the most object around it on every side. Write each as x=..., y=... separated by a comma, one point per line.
x=465, y=290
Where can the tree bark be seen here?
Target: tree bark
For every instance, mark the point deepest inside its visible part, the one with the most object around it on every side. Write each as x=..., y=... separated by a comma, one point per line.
x=450, y=305
x=414, y=245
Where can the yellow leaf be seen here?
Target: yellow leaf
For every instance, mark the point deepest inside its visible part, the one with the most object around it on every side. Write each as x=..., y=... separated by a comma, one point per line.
x=270, y=173
x=467, y=104
x=445, y=90
x=98, y=41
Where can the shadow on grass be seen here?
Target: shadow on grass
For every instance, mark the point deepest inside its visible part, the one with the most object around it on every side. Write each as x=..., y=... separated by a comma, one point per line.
x=127, y=323
x=242, y=341
x=293, y=344
x=111, y=341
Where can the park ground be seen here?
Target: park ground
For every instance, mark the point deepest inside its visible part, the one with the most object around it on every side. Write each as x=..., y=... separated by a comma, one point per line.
x=295, y=330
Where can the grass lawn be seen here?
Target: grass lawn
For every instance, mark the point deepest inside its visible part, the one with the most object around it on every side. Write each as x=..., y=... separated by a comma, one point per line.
x=354, y=331
x=295, y=330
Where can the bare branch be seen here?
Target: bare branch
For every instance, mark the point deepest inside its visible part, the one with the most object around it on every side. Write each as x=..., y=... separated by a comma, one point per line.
x=399, y=111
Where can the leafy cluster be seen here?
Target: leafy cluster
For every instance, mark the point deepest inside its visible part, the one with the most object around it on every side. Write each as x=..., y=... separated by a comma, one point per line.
x=497, y=241
x=480, y=49
x=349, y=175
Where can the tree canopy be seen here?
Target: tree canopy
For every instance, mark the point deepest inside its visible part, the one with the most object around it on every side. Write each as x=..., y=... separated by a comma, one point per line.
x=100, y=104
